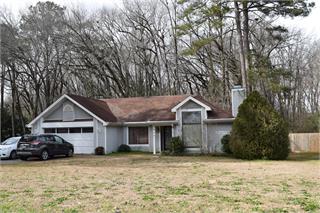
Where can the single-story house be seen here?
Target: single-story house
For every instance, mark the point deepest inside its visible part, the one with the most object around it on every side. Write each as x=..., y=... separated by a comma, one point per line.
x=143, y=123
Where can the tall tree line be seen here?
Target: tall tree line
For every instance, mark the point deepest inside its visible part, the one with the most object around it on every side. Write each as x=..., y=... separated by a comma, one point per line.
x=164, y=47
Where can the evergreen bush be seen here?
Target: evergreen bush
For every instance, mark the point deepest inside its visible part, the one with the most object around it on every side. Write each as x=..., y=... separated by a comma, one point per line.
x=225, y=141
x=176, y=145
x=258, y=131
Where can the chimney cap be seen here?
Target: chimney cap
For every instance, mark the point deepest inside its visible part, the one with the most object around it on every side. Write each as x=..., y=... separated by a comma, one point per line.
x=237, y=87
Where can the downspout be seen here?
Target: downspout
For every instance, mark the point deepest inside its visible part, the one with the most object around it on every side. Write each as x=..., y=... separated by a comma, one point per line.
x=159, y=140
x=105, y=140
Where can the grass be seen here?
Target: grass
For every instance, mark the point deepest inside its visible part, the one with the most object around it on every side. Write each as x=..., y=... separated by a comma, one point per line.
x=140, y=182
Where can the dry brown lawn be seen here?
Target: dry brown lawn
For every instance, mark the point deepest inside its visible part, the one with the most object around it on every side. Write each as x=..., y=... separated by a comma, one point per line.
x=146, y=183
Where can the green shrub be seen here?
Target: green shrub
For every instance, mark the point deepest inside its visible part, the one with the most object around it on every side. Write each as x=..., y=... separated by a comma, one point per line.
x=258, y=131
x=225, y=141
x=99, y=150
x=124, y=148
x=176, y=145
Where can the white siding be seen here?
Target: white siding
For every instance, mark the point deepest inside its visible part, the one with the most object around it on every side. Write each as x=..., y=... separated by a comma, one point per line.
x=36, y=127
x=214, y=133
x=115, y=138
x=57, y=113
x=100, y=134
x=191, y=105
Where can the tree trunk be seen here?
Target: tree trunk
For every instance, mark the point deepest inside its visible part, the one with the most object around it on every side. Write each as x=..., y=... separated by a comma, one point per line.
x=246, y=46
x=21, y=118
x=2, y=98
x=241, y=46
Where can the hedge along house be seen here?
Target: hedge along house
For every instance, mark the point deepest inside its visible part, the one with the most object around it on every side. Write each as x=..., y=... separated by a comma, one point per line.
x=143, y=123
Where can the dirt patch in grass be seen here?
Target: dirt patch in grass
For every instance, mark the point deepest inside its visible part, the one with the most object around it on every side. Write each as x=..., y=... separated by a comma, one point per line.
x=146, y=183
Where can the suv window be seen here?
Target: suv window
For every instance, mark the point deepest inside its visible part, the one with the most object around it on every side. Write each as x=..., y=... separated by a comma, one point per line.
x=49, y=138
x=28, y=138
x=42, y=138
x=58, y=139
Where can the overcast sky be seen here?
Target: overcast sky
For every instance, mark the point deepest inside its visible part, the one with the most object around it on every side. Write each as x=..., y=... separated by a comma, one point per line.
x=310, y=25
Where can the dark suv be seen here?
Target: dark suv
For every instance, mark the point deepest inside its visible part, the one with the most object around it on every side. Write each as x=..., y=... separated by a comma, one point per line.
x=43, y=146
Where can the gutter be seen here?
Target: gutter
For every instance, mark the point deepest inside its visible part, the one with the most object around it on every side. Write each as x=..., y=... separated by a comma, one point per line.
x=219, y=120
x=30, y=125
x=142, y=123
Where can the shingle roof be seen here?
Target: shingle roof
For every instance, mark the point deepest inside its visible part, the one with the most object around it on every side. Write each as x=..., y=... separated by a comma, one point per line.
x=154, y=108
x=97, y=107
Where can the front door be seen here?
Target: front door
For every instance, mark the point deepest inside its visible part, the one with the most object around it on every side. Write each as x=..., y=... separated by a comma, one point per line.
x=191, y=129
x=165, y=135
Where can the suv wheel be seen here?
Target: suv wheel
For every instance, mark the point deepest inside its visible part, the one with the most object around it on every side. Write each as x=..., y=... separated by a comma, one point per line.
x=70, y=153
x=13, y=155
x=44, y=155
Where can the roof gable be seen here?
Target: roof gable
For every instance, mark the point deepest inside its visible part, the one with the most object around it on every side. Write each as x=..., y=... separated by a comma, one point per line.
x=190, y=98
x=85, y=104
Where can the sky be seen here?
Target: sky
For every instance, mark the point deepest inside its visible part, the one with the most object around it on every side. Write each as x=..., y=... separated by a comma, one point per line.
x=310, y=25
x=17, y=5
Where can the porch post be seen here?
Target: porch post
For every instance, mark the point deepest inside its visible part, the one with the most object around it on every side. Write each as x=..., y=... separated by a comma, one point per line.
x=105, y=139
x=159, y=139
x=172, y=130
x=154, y=139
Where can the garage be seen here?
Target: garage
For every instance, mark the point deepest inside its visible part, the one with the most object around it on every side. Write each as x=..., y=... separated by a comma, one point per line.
x=80, y=121
x=82, y=138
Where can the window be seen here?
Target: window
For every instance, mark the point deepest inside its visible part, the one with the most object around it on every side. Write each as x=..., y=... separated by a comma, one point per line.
x=49, y=130
x=191, y=129
x=138, y=135
x=46, y=138
x=87, y=130
x=75, y=130
x=68, y=112
x=58, y=139
x=62, y=130
x=191, y=117
x=10, y=141
x=68, y=130
x=42, y=138
x=28, y=138
x=68, y=108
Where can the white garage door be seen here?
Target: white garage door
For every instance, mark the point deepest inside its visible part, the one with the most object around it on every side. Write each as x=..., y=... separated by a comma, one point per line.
x=83, y=142
x=82, y=138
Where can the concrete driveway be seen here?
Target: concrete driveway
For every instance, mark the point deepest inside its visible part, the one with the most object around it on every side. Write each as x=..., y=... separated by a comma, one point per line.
x=7, y=161
x=31, y=159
